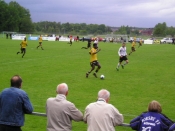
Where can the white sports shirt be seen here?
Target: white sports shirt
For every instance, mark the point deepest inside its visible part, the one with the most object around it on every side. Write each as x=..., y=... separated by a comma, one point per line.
x=122, y=51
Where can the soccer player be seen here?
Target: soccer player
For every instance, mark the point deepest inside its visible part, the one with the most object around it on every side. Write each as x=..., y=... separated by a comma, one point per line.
x=122, y=56
x=70, y=40
x=78, y=38
x=133, y=46
x=88, y=45
x=23, y=47
x=93, y=60
x=40, y=42
x=140, y=43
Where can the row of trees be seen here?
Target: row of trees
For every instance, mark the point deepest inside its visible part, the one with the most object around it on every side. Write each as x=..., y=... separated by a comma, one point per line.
x=69, y=28
x=16, y=18
x=161, y=29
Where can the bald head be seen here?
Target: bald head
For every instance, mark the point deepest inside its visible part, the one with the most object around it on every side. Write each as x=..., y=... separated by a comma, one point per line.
x=16, y=81
x=62, y=89
x=104, y=94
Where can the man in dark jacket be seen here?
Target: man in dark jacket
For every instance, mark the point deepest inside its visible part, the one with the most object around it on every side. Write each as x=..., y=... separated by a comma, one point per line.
x=14, y=103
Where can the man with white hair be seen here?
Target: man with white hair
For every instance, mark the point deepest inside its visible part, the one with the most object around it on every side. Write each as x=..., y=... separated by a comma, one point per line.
x=61, y=112
x=101, y=116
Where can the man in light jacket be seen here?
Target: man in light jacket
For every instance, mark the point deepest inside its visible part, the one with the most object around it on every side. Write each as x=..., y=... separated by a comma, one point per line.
x=61, y=112
x=101, y=116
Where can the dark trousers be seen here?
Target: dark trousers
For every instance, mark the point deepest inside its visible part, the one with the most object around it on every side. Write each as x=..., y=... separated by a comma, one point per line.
x=9, y=128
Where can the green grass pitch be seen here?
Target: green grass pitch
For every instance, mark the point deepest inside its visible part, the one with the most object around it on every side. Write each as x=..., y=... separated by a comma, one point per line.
x=150, y=75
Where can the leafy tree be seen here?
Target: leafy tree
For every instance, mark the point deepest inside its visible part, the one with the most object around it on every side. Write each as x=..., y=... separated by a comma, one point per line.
x=171, y=31
x=160, y=29
x=83, y=32
x=3, y=16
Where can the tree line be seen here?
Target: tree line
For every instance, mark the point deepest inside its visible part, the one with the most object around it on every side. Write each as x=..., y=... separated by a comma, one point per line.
x=15, y=18
x=70, y=28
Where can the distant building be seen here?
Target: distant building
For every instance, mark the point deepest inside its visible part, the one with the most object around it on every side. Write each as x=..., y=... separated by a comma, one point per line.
x=148, y=32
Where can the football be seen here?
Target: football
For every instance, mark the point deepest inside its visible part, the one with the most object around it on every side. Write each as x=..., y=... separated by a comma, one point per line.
x=102, y=77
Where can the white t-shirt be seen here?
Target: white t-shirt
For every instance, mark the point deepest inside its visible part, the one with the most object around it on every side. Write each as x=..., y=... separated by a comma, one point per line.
x=122, y=51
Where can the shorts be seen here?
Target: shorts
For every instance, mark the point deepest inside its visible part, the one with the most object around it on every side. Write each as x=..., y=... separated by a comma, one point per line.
x=23, y=50
x=133, y=48
x=40, y=43
x=95, y=63
x=123, y=58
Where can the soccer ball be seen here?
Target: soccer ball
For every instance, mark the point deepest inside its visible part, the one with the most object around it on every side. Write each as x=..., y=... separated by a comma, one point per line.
x=102, y=77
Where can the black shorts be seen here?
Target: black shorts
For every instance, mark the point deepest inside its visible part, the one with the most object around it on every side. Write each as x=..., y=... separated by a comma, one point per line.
x=23, y=50
x=123, y=58
x=133, y=48
x=96, y=63
x=40, y=43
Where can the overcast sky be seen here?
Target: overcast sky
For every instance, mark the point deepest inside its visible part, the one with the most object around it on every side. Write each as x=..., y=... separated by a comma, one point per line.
x=135, y=13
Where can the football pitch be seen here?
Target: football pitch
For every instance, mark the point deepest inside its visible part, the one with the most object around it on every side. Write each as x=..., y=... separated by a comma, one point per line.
x=150, y=75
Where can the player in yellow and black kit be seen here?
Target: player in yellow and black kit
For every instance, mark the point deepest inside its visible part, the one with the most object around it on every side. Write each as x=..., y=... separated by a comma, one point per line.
x=93, y=60
x=133, y=47
x=40, y=42
x=140, y=43
x=23, y=47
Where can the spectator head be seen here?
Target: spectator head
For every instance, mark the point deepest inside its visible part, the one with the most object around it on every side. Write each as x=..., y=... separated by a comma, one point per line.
x=154, y=106
x=16, y=81
x=104, y=94
x=62, y=89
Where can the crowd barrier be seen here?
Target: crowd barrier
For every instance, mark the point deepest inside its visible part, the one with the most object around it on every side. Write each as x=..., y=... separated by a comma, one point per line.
x=44, y=115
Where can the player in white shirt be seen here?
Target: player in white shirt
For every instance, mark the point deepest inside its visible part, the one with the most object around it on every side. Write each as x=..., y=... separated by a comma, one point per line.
x=122, y=56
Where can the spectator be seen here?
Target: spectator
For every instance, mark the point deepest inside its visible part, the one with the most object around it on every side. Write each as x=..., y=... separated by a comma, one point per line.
x=101, y=116
x=173, y=40
x=14, y=103
x=7, y=35
x=152, y=120
x=172, y=127
x=121, y=39
x=61, y=112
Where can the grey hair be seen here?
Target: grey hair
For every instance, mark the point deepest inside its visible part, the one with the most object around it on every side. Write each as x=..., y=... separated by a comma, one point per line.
x=103, y=93
x=62, y=88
